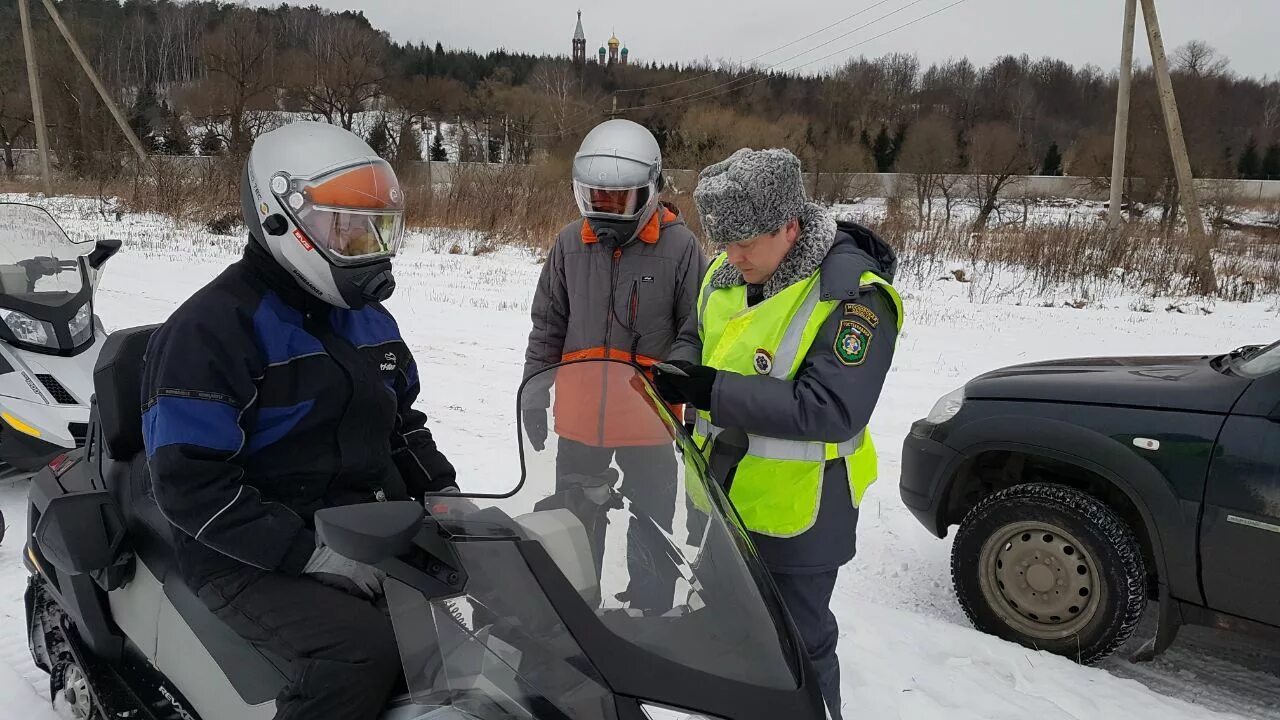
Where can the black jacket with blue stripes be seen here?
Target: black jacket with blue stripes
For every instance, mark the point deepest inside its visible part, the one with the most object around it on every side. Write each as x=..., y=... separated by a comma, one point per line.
x=263, y=404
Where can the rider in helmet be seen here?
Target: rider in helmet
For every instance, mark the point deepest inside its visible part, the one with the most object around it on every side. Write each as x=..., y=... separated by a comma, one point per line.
x=283, y=387
x=618, y=283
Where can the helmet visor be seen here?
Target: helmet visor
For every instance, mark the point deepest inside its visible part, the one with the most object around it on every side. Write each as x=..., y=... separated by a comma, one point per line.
x=620, y=203
x=352, y=236
x=354, y=213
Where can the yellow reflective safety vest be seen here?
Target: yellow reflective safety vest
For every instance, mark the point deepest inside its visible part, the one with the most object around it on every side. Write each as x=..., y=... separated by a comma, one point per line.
x=777, y=487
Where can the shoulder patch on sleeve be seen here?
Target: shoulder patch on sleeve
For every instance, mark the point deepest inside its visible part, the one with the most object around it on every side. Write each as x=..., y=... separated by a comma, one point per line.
x=853, y=340
x=862, y=311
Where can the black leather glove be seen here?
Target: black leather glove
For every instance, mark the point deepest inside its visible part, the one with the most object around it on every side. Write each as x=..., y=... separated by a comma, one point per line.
x=694, y=387
x=535, y=427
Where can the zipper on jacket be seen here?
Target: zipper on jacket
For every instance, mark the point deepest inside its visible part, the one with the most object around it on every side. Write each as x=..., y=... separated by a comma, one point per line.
x=633, y=318
x=613, y=289
x=608, y=330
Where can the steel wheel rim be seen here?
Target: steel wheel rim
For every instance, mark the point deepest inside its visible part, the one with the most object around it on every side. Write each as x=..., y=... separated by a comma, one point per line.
x=1040, y=580
x=74, y=700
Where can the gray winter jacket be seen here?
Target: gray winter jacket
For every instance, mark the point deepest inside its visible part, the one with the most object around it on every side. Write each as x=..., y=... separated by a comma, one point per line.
x=593, y=301
x=829, y=400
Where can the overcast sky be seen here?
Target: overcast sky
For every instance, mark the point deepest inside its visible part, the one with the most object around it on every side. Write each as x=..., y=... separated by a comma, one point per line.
x=1078, y=31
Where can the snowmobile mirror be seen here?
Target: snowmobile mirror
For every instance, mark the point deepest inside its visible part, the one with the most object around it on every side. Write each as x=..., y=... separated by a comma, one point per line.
x=727, y=450
x=370, y=532
x=102, y=252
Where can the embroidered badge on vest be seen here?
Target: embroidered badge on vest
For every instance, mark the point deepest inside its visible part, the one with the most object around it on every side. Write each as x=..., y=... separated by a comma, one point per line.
x=852, y=342
x=763, y=361
x=863, y=312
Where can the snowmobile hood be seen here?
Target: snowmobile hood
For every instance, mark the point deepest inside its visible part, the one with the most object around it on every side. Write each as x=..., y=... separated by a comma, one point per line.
x=1189, y=383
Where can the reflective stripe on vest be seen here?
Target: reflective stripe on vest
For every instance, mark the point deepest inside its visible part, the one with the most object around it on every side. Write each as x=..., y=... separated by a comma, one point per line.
x=779, y=449
x=778, y=486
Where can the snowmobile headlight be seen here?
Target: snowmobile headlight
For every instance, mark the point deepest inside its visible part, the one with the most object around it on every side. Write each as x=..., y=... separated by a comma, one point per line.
x=657, y=712
x=82, y=325
x=946, y=407
x=27, y=329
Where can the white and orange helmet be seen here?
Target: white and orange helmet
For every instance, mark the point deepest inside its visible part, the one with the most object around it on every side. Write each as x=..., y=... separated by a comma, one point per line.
x=329, y=210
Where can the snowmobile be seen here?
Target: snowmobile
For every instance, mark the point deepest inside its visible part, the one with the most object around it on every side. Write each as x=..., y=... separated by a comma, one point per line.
x=49, y=337
x=507, y=604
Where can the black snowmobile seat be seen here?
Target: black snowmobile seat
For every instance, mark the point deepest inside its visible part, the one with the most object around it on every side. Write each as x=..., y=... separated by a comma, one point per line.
x=117, y=382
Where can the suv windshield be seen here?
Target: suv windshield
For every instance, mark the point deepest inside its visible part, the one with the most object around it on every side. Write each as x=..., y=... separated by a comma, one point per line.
x=38, y=262
x=614, y=517
x=1262, y=362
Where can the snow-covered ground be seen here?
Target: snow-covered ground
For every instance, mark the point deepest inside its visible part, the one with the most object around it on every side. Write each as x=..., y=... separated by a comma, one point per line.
x=906, y=648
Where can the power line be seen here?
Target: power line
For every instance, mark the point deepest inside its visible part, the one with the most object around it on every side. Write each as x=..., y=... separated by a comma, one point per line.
x=595, y=106
x=691, y=99
x=744, y=63
x=762, y=74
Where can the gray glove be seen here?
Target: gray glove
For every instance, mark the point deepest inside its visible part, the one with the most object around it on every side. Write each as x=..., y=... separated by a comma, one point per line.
x=345, y=574
x=450, y=506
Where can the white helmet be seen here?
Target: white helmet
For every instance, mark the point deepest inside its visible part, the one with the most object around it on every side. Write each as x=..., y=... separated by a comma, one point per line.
x=617, y=175
x=329, y=210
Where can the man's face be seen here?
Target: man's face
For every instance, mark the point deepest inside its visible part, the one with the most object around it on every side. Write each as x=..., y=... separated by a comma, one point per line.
x=354, y=236
x=758, y=258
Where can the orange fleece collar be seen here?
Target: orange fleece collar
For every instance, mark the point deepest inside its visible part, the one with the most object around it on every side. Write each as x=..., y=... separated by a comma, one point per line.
x=650, y=233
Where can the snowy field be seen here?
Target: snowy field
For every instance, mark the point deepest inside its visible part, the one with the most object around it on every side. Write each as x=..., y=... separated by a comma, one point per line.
x=906, y=648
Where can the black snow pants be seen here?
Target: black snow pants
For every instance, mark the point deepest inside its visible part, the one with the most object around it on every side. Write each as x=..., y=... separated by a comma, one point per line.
x=342, y=648
x=649, y=484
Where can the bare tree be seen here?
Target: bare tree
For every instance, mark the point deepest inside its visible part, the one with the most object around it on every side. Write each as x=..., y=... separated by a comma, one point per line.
x=996, y=156
x=345, y=71
x=238, y=56
x=15, y=103
x=561, y=90
x=1198, y=59
x=929, y=154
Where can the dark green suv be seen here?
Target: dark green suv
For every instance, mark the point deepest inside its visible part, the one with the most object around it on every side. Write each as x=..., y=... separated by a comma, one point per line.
x=1082, y=488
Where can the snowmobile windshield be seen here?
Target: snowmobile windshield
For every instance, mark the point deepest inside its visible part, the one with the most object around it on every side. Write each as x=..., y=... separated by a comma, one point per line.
x=613, y=551
x=39, y=264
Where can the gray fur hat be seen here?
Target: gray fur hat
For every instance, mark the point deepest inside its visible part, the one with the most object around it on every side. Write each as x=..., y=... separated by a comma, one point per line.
x=750, y=193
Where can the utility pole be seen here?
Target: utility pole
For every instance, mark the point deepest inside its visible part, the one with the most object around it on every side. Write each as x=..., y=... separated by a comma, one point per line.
x=1122, y=114
x=1200, y=242
x=37, y=104
x=93, y=77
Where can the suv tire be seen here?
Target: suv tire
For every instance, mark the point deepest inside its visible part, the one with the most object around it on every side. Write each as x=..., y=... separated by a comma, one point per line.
x=1052, y=568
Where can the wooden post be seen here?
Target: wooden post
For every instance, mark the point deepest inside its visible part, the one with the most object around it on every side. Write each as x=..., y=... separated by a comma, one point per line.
x=37, y=103
x=1200, y=242
x=97, y=83
x=1122, y=114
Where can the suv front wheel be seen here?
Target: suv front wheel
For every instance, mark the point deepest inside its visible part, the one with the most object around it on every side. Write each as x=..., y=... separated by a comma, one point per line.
x=1051, y=568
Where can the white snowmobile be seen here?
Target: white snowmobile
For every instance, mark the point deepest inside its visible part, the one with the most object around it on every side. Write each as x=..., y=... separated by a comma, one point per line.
x=504, y=606
x=50, y=335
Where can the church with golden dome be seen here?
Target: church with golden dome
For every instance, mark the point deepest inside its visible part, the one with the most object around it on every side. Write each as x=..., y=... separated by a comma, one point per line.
x=613, y=52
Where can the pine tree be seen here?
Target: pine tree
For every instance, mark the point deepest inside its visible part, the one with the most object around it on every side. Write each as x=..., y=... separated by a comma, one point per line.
x=177, y=137
x=1250, y=167
x=410, y=147
x=380, y=139
x=899, y=137
x=1271, y=164
x=210, y=144
x=1052, y=161
x=882, y=149
x=146, y=108
x=438, y=153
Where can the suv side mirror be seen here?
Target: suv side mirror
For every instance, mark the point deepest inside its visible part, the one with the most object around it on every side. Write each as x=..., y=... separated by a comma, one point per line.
x=103, y=252
x=370, y=532
x=727, y=450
